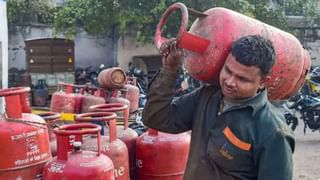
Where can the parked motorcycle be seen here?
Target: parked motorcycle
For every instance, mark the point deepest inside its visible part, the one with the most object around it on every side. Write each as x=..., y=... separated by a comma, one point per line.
x=88, y=75
x=309, y=109
x=312, y=84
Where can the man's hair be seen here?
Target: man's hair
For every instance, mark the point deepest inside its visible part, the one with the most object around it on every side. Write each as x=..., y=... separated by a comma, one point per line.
x=254, y=50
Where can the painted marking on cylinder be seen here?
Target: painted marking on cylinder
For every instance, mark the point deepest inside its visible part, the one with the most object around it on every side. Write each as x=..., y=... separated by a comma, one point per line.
x=29, y=159
x=56, y=167
x=139, y=163
x=104, y=148
x=169, y=138
x=119, y=172
x=148, y=139
x=92, y=163
x=26, y=135
x=88, y=156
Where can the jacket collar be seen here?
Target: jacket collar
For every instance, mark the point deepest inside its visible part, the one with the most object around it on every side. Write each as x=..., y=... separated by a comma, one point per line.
x=255, y=103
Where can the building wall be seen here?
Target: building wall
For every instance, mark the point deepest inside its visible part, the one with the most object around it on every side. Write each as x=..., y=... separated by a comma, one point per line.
x=309, y=35
x=4, y=42
x=89, y=50
x=3, y=49
x=127, y=48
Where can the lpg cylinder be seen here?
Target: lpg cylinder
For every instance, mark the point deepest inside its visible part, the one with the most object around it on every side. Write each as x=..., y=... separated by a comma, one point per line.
x=162, y=156
x=111, y=145
x=78, y=164
x=133, y=93
x=305, y=71
x=209, y=40
x=119, y=96
x=40, y=93
x=24, y=139
x=67, y=102
x=126, y=134
x=52, y=119
x=112, y=78
x=90, y=100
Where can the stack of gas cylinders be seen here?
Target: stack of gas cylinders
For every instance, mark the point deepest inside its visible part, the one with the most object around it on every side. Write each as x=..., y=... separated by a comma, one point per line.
x=94, y=146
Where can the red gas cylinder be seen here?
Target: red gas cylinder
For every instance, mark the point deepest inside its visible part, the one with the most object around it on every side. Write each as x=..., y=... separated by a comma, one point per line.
x=126, y=134
x=24, y=139
x=305, y=71
x=78, y=164
x=66, y=101
x=162, y=156
x=119, y=96
x=210, y=38
x=52, y=119
x=133, y=93
x=25, y=103
x=112, y=78
x=90, y=100
x=111, y=145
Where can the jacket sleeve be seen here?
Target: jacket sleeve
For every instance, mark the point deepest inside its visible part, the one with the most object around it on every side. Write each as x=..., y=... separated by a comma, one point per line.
x=275, y=157
x=162, y=111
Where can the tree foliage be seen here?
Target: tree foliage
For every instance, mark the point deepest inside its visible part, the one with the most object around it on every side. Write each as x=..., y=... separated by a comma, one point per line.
x=139, y=18
x=23, y=12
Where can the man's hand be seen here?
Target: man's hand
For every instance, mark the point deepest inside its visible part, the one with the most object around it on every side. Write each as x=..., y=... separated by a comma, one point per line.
x=172, y=56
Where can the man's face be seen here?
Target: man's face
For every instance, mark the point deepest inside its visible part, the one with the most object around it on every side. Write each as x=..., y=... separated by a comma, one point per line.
x=238, y=81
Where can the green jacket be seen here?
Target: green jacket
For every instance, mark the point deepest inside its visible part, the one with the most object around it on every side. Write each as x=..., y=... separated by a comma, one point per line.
x=247, y=142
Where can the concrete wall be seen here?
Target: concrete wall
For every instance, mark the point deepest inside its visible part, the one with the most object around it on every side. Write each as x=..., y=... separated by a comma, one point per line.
x=89, y=50
x=309, y=35
x=3, y=49
x=4, y=41
x=127, y=48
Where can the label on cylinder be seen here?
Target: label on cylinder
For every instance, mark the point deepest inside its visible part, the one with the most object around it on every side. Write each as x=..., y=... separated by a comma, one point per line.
x=56, y=167
x=32, y=150
x=139, y=163
x=119, y=171
x=148, y=139
x=104, y=147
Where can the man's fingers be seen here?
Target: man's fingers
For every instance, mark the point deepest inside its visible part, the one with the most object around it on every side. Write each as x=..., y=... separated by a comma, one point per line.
x=173, y=46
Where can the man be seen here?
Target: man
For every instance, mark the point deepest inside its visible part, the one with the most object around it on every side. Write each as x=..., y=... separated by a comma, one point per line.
x=236, y=132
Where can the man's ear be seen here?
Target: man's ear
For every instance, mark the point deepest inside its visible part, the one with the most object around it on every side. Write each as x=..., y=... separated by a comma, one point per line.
x=264, y=81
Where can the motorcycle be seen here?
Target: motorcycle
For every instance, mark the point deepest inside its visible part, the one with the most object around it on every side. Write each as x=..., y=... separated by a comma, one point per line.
x=88, y=75
x=312, y=84
x=309, y=109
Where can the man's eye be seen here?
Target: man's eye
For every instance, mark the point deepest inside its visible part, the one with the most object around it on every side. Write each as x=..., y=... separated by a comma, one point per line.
x=227, y=70
x=243, y=79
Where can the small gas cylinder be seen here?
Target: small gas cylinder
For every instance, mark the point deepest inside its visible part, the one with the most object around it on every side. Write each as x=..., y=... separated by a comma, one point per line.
x=67, y=102
x=112, y=78
x=126, y=134
x=162, y=156
x=210, y=38
x=78, y=164
x=40, y=93
x=133, y=93
x=23, y=137
x=111, y=145
x=52, y=119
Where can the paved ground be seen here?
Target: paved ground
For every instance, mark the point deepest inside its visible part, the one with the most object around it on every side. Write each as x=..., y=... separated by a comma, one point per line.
x=307, y=154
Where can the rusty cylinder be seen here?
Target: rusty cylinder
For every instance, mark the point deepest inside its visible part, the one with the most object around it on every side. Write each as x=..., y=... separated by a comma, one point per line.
x=112, y=78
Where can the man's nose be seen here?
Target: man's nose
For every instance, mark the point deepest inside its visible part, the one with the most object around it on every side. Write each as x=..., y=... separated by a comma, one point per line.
x=230, y=81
